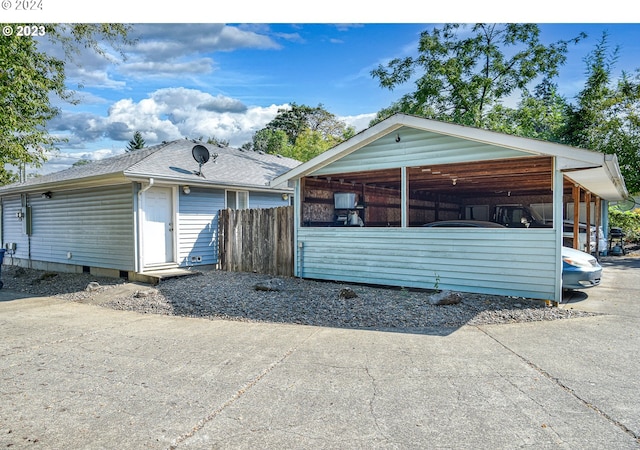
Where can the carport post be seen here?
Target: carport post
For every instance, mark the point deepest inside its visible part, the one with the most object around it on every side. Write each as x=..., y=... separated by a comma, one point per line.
x=404, y=197
x=558, y=205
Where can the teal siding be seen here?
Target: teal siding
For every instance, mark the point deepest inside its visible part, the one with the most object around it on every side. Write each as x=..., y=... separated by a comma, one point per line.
x=502, y=262
x=510, y=262
x=416, y=147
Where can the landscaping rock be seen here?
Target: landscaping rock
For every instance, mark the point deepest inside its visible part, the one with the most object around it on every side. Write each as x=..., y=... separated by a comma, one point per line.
x=445, y=298
x=347, y=293
x=93, y=286
x=272, y=284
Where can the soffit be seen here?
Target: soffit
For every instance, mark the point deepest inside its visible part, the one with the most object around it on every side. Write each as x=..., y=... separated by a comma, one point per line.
x=523, y=176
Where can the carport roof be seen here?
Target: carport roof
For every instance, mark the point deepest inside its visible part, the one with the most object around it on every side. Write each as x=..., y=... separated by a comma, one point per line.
x=596, y=172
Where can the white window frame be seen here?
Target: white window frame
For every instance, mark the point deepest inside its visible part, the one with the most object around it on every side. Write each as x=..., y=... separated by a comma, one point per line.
x=237, y=199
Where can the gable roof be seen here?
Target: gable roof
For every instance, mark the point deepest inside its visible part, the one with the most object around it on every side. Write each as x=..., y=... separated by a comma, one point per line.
x=170, y=162
x=597, y=172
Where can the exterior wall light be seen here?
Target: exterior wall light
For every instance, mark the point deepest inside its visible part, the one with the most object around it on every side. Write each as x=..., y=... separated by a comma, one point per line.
x=186, y=190
x=285, y=196
x=46, y=194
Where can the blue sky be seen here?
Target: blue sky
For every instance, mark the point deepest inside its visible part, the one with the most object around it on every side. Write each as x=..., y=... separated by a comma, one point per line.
x=228, y=81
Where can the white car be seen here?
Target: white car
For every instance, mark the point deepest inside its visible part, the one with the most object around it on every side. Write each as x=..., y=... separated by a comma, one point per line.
x=580, y=270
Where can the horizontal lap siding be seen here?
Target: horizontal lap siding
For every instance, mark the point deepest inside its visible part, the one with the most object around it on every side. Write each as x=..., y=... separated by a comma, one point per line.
x=484, y=261
x=198, y=222
x=198, y=225
x=266, y=200
x=96, y=227
x=12, y=227
x=415, y=148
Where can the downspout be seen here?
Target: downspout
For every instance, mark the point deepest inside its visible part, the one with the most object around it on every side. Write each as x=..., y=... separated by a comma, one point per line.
x=138, y=258
x=611, y=163
x=298, y=247
x=146, y=188
x=24, y=204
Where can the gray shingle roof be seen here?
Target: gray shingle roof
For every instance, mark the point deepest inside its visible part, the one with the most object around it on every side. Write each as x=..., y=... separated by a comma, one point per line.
x=173, y=161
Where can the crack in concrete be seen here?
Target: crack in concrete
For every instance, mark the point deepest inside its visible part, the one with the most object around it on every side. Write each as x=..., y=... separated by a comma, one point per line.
x=566, y=388
x=372, y=400
x=237, y=395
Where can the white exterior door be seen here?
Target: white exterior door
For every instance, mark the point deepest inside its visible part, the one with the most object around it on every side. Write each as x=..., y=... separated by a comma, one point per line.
x=157, y=238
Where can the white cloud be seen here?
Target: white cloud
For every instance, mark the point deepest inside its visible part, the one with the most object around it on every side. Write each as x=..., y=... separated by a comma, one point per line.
x=359, y=122
x=174, y=40
x=170, y=50
x=175, y=113
x=161, y=50
x=168, y=114
x=160, y=69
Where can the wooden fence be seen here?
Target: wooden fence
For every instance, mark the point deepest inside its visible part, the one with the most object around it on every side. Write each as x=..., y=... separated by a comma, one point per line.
x=257, y=240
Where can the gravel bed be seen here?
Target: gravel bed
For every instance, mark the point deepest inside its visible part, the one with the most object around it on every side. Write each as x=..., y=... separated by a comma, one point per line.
x=233, y=296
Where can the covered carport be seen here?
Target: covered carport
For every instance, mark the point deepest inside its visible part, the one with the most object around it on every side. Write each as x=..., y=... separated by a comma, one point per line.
x=406, y=171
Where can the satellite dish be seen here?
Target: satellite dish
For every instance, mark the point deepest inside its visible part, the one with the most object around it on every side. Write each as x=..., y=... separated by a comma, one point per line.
x=201, y=155
x=626, y=205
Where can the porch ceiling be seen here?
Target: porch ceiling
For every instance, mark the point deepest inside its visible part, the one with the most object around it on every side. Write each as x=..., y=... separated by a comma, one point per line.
x=520, y=176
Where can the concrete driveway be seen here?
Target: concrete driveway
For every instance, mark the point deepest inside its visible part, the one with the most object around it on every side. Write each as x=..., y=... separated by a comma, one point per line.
x=81, y=376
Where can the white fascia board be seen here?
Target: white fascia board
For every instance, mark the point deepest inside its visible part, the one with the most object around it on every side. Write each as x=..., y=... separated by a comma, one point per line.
x=572, y=156
x=596, y=181
x=578, y=157
x=614, y=173
x=605, y=181
x=140, y=178
x=339, y=151
x=67, y=185
x=567, y=158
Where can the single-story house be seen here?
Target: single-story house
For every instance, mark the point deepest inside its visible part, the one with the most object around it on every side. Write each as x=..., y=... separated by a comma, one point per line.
x=360, y=208
x=149, y=209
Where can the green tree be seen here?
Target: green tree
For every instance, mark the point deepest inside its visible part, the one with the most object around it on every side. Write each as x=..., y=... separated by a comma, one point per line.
x=218, y=142
x=606, y=115
x=281, y=135
x=30, y=80
x=291, y=120
x=460, y=77
x=81, y=162
x=136, y=143
x=310, y=144
x=271, y=141
x=539, y=115
x=465, y=78
x=629, y=221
